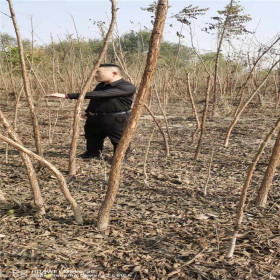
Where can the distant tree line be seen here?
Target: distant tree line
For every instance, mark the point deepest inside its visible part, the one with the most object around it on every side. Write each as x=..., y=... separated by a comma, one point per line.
x=133, y=45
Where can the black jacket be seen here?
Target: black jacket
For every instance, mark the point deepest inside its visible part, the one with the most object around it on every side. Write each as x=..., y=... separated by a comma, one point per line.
x=109, y=98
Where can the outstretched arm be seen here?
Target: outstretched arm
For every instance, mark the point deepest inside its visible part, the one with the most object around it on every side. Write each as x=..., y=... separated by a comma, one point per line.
x=122, y=90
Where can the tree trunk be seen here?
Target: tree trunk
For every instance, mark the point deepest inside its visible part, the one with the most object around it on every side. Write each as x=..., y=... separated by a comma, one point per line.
x=61, y=181
x=277, y=87
x=161, y=131
x=38, y=199
x=154, y=47
x=269, y=174
x=189, y=91
x=204, y=118
x=164, y=116
x=27, y=84
x=220, y=43
x=243, y=196
x=79, y=103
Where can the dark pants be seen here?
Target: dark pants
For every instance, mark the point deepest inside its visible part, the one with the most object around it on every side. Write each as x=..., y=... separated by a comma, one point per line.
x=98, y=128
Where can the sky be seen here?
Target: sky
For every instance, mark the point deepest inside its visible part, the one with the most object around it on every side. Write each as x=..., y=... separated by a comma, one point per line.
x=55, y=19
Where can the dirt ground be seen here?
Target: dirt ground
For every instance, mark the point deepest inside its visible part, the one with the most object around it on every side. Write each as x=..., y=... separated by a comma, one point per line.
x=165, y=228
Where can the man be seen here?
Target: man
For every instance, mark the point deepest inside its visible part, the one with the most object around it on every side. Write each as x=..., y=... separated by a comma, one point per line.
x=108, y=110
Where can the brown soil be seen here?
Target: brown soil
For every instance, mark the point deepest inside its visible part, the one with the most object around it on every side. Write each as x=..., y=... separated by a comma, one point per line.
x=166, y=229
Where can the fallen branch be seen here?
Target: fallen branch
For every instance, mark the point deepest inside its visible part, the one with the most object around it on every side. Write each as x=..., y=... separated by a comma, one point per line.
x=34, y=184
x=61, y=181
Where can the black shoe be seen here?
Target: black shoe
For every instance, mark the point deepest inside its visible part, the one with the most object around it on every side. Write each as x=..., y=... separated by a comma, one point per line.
x=88, y=155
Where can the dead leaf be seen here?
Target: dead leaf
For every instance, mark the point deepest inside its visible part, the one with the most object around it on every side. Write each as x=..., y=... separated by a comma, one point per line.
x=201, y=217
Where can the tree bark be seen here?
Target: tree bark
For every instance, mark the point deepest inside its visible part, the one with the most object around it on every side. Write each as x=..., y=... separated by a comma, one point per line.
x=38, y=199
x=269, y=174
x=79, y=103
x=154, y=47
x=26, y=84
x=61, y=181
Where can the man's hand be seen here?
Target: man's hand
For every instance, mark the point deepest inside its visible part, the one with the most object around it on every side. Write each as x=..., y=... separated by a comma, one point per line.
x=56, y=95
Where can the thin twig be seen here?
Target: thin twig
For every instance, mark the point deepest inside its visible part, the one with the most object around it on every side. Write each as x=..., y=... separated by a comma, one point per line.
x=193, y=259
x=160, y=129
x=209, y=172
x=146, y=158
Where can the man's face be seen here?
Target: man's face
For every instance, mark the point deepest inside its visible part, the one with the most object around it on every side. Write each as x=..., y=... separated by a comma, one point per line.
x=104, y=74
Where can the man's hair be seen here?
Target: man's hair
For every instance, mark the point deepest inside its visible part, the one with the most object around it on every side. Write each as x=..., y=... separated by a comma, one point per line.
x=114, y=67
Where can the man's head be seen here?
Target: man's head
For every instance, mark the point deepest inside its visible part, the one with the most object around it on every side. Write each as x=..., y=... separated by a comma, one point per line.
x=108, y=73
